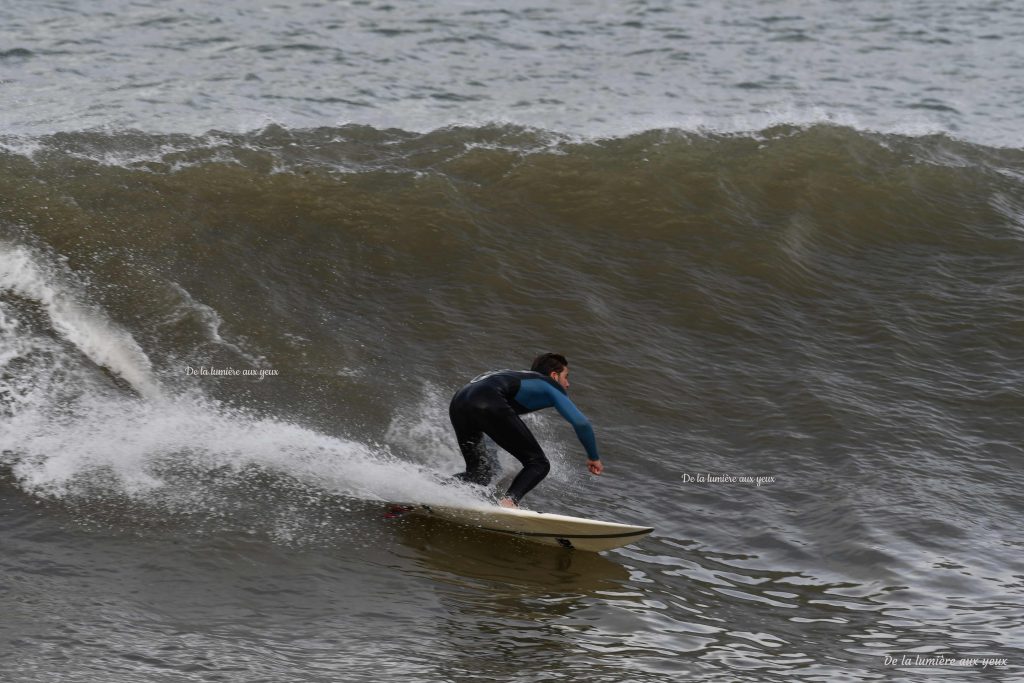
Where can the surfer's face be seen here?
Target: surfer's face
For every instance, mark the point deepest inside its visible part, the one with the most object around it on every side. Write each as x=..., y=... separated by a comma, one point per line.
x=561, y=377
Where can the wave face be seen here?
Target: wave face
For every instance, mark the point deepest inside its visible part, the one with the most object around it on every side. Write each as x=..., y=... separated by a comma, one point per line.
x=245, y=341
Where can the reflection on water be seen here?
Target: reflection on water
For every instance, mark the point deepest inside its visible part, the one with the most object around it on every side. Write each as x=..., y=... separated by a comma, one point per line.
x=473, y=553
x=669, y=607
x=429, y=600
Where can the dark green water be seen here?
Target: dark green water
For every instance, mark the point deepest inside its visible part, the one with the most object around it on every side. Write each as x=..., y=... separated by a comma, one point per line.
x=838, y=310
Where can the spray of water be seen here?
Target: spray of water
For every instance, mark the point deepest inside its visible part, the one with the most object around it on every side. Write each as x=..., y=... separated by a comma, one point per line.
x=70, y=433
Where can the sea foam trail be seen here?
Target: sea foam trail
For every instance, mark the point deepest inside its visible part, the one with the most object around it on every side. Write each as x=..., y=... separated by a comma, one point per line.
x=136, y=447
x=67, y=432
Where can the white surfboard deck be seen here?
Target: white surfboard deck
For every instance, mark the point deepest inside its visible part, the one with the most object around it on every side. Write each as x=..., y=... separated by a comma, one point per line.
x=541, y=527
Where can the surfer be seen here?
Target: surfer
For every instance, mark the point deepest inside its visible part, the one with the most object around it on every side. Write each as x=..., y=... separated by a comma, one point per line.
x=492, y=403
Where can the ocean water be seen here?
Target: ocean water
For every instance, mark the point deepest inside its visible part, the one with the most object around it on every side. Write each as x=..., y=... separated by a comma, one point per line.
x=247, y=253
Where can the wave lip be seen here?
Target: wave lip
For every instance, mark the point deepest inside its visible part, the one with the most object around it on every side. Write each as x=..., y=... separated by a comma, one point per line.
x=100, y=339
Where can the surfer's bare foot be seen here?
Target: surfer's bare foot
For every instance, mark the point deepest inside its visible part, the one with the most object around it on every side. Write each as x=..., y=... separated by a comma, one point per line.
x=507, y=503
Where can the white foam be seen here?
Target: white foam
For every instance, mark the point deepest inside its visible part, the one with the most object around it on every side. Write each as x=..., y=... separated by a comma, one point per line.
x=423, y=432
x=100, y=339
x=67, y=430
x=207, y=146
x=29, y=366
x=136, y=442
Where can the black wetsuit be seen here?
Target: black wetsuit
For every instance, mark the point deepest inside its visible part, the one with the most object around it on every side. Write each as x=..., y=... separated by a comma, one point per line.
x=491, y=404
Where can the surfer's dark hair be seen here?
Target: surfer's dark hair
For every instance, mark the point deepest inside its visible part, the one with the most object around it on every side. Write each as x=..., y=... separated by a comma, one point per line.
x=546, y=363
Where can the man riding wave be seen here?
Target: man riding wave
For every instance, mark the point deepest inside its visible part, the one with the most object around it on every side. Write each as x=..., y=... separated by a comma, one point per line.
x=491, y=405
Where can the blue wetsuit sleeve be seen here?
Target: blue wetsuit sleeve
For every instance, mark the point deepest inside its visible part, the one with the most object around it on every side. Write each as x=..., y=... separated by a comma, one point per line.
x=579, y=422
x=535, y=394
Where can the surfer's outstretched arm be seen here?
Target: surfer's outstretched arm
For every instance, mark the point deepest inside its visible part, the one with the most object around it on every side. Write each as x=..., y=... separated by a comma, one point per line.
x=535, y=394
x=584, y=430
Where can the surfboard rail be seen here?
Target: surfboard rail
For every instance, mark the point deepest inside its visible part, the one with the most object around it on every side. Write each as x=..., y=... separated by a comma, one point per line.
x=548, y=528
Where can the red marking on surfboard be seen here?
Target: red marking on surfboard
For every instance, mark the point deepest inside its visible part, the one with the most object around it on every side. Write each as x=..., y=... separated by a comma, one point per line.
x=397, y=511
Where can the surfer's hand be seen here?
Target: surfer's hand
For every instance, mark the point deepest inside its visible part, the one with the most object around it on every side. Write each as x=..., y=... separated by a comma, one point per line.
x=595, y=466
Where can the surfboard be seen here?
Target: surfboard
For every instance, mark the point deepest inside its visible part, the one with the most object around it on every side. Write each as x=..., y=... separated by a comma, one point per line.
x=540, y=527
